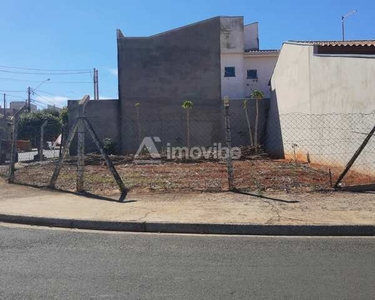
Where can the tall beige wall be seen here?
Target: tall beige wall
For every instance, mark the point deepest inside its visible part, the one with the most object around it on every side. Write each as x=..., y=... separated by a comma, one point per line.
x=325, y=105
x=342, y=84
x=291, y=79
x=308, y=83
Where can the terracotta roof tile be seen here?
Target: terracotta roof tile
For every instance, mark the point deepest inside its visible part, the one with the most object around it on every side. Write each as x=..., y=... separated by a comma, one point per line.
x=263, y=51
x=337, y=43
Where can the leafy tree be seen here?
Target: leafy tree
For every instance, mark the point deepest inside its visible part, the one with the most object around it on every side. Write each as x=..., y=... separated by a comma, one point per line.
x=187, y=105
x=64, y=116
x=30, y=123
x=257, y=95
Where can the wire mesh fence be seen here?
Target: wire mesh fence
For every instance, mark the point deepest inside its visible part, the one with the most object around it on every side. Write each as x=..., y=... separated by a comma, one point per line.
x=31, y=138
x=291, y=152
x=327, y=142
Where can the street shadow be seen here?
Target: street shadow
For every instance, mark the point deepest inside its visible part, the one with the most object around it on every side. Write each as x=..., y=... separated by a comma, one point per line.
x=264, y=197
x=367, y=188
x=83, y=194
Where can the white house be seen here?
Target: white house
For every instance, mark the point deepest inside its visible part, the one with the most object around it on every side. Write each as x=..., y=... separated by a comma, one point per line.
x=17, y=105
x=244, y=67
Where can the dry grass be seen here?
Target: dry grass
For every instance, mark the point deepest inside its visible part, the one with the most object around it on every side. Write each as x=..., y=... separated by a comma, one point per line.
x=251, y=175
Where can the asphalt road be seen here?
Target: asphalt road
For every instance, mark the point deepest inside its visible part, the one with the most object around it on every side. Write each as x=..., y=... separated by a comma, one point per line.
x=64, y=264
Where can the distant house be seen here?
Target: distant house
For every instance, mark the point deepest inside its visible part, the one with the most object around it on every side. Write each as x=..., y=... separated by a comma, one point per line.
x=14, y=107
x=17, y=105
x=323, y=93
x=53, y=108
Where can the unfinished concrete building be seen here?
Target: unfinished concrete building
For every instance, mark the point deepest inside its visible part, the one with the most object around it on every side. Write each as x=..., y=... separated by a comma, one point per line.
x=202, y=63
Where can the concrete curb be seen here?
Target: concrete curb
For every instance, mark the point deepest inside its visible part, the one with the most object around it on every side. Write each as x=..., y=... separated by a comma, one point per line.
x=199, y=228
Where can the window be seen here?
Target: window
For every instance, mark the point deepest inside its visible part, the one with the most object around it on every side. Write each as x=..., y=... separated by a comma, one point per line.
x=252, y=74
x=230, y=72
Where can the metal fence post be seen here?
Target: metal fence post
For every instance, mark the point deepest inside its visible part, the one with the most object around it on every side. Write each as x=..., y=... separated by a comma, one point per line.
x=228, y=140
x=42, y=140
x=354, y=157
x=13, y=155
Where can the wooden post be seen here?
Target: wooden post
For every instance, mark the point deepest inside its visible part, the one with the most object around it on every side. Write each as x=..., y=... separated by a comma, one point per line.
x=80, y=122
x=1, y=143
x=80, y=156
x=69, y=141
x=228, y=140
x=109, y=163
x=81, y=144
x=13, y=155
x=354, y=158
x=42, y=140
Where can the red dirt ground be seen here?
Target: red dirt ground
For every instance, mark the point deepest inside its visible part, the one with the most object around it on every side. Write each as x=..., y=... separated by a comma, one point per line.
x=250, y=175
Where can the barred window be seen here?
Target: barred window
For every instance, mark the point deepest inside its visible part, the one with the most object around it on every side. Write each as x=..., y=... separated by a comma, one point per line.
x=230, y=72
x=252, y=74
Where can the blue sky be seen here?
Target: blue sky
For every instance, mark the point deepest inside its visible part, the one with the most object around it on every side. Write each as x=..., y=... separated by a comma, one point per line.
x=81, y=35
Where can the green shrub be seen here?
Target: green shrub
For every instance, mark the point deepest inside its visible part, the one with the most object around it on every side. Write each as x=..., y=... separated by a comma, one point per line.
x=109, y=145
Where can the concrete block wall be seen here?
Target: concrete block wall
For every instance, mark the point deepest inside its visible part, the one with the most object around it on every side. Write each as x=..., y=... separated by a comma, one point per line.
x=162, y=71
x=104, y=116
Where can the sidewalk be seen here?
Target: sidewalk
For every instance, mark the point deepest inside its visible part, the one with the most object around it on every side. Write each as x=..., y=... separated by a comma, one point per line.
x=36, y=206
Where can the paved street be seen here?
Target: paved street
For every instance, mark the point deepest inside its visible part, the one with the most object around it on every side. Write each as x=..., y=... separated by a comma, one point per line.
x=65, y=264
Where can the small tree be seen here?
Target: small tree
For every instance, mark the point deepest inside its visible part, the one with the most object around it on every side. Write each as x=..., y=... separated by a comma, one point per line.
x=187, y=105
x=109, y=145
x=257, y=95
x=248, y=122
x=30, y=123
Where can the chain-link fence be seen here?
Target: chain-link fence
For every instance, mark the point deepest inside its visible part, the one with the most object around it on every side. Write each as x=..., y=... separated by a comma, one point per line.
x=327, y=142
x=30, y=139
x=185, y=151
x=5, y=145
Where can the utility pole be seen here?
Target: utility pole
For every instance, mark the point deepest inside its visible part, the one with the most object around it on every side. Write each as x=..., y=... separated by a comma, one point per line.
x=96, y=84
x=29, y=99
x=5, y=102
x=94, y=80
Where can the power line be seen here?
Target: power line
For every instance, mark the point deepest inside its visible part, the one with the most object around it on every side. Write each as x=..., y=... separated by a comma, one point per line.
x=12, y=91
x=36, y=101
x=47, y=70
x=14, y=96
x=45, y=73
x=45, y=99
x=43, y=103
x=53, y=94
x=26, y=80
